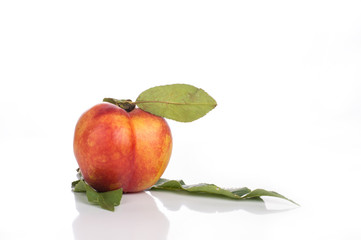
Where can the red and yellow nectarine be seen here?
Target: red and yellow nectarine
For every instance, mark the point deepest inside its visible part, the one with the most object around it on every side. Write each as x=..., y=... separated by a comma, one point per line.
x=118, y=149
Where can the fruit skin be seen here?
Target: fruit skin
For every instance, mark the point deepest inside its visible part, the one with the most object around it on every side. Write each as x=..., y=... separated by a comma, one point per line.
x=116, y=149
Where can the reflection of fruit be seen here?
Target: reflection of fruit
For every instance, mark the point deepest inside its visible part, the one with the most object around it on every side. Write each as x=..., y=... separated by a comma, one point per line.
x=116, y=149
x=141, y=211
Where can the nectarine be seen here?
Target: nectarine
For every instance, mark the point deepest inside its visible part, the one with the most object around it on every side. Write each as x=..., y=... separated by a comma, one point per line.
x=119, y=149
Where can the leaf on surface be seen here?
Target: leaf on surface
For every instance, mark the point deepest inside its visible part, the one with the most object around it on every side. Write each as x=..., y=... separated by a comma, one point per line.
x=239, y=193
x=106, y=200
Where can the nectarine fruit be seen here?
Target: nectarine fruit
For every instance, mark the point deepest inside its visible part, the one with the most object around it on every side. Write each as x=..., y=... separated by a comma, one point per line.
x=119, y=149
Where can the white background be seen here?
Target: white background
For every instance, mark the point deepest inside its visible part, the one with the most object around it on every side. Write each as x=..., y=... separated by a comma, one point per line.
x=287, y=79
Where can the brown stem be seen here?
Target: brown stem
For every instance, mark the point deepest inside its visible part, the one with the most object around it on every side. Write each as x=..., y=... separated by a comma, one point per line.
x=125, y=104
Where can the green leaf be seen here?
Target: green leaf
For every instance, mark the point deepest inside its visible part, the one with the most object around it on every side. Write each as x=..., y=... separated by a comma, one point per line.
x=106, y=200
x=239, y=193
x=262, y=192
x=180, y=102
x=78, y=186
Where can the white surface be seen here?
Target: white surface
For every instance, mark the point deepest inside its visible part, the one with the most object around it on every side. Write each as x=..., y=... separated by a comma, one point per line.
x=287, y=79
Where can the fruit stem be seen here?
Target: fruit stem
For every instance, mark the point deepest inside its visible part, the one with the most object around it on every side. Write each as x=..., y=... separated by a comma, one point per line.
x=126, y=104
